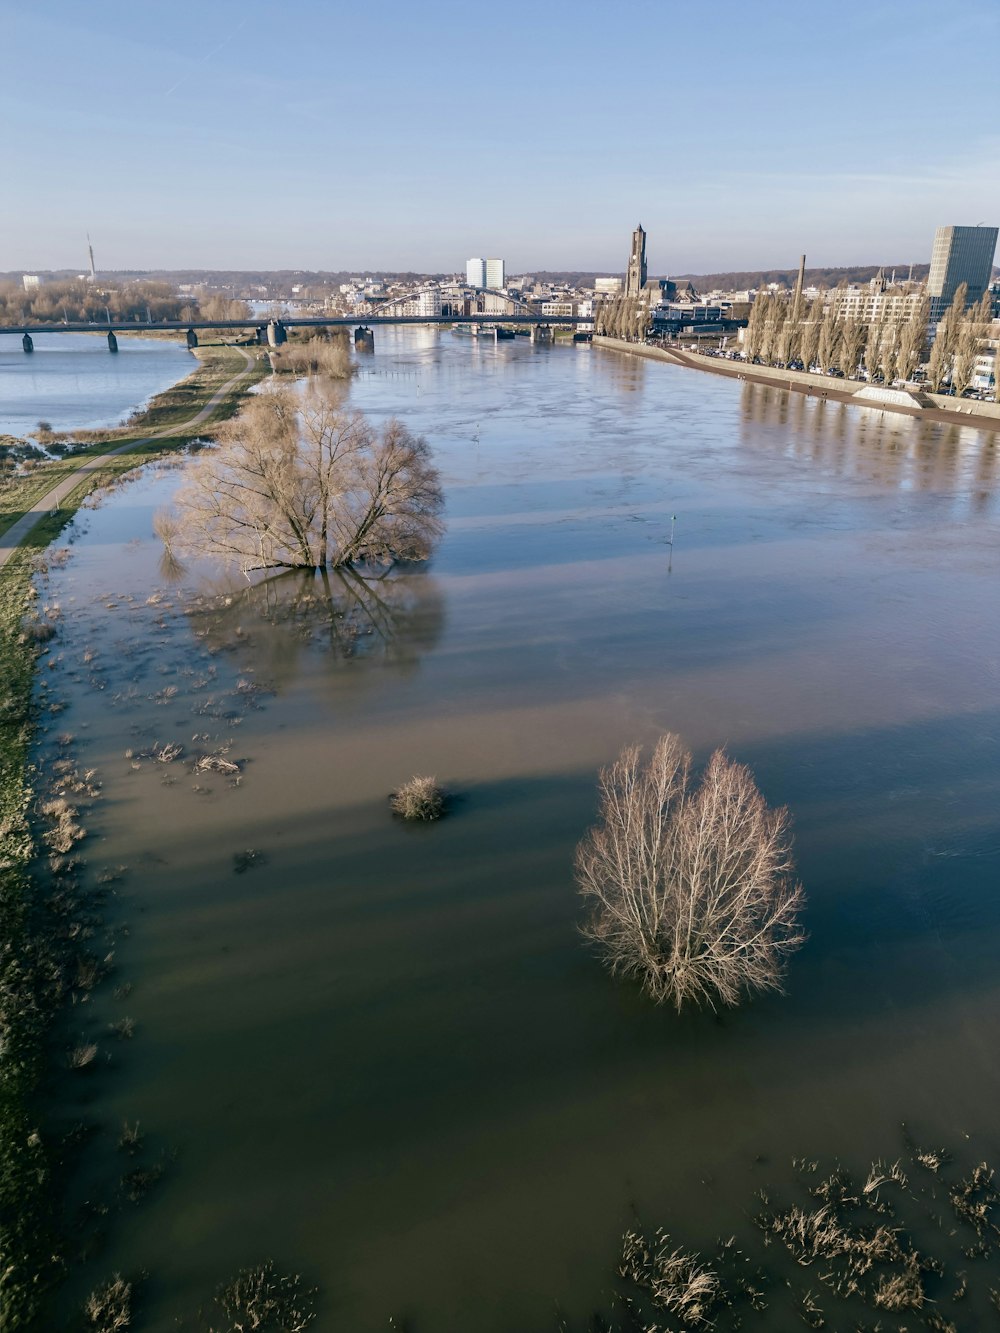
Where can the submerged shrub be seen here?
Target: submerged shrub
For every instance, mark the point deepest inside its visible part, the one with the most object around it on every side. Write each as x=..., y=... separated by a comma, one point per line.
x=420, y=798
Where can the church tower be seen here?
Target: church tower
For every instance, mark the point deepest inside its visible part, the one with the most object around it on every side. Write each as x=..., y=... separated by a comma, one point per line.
x=636, y=279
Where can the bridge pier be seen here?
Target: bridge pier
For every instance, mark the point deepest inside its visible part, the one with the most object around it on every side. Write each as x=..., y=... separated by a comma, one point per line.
x=27, y=344
x=192, y=338
x=112, y=341
x=541, y=333
x=364, y=339
x=276, y=333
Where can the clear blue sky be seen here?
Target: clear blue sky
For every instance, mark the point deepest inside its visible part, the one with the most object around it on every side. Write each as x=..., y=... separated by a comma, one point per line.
x=410, y=134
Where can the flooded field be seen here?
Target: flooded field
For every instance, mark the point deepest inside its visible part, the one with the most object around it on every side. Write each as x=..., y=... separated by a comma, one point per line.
x=381, y=1055
x=73, y=382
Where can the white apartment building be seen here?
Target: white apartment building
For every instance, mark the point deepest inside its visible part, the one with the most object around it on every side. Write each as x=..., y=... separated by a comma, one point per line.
x=31, y=282
x=421, y=305
x=607, y=286
x=428, y=303
x=984, y=375
x=490, y=273
x=870, y=304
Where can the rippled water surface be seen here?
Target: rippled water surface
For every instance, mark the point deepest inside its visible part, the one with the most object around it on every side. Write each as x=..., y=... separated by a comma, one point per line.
x=382, y=1055
x=73, y=382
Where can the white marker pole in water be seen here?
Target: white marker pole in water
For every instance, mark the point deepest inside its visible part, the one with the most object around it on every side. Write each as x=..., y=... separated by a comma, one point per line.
x=673, y=520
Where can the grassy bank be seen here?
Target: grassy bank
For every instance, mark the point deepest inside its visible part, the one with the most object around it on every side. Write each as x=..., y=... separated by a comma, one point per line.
x=25, y=989
x=172, y=408
x=36, y=950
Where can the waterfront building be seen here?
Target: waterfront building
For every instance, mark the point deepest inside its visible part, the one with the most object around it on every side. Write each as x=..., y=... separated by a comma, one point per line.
x=674, y=317
x=475, y=272
x=960, y=254
x=875, y=301
x=427, y=303
x=984, y=375
x=635, y=280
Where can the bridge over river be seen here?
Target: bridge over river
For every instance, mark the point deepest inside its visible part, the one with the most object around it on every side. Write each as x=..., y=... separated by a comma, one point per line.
x=274, y=331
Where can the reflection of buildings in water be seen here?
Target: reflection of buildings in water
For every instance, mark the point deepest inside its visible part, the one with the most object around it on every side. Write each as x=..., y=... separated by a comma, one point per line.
x=277, y=620
x=625, y=372
x=890, y=449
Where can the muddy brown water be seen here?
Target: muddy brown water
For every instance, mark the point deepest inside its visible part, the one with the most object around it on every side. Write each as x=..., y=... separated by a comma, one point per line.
x=381, y=1055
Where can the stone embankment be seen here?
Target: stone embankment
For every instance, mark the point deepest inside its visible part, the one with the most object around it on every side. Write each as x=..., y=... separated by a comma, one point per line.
x=966, y=412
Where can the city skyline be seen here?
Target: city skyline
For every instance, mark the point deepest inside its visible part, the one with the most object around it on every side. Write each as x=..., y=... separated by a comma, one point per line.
x=235, y=136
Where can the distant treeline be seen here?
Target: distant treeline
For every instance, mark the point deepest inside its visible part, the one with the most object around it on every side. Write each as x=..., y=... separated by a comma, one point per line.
x=787, y=277
x=79, y=301
x=279, y=282
x=237, y=278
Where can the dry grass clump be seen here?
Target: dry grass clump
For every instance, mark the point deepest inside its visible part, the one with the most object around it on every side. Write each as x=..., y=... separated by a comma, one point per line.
x=64, y=831
x=931, y=1159
x=263, y=1298
x=137, y=1184
x=973, y=1199
x=35, y=630
x=883, y=1174
x=901, y=1291
x=216, y=763
x=822, y=1235
x=83, y=1055
x=130, y=1139
x=109, y=1308
x=676, y=1281
x=420, y=798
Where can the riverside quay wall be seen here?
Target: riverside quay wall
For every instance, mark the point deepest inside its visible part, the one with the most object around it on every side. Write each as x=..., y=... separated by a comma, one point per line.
x=985, y=414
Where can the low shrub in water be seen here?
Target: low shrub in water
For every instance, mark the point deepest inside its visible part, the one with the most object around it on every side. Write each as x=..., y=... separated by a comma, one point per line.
x=420, y=798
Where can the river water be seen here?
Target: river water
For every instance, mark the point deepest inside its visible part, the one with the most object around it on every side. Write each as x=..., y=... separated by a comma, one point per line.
x=73, y=382
x=382, y=1055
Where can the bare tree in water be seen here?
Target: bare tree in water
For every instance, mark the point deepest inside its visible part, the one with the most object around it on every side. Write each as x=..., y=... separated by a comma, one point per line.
x=690, y=888
x=297, y=483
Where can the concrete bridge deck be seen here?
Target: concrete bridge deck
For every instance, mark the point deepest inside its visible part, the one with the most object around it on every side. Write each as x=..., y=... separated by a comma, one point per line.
x=291, y=322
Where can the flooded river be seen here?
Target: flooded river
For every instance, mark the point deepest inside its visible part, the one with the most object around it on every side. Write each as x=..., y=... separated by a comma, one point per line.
x=382, y=1055
x=73, y=382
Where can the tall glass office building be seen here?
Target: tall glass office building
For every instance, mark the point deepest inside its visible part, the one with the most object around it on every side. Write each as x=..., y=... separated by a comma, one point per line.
x=485, y=273
x=960, y=254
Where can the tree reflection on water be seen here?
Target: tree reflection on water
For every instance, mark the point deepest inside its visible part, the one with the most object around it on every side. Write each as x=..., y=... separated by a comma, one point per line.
x=391, y=617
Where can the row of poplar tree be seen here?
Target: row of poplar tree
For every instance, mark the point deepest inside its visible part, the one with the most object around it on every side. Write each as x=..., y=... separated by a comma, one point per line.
x=622, y=317
x=783, y=329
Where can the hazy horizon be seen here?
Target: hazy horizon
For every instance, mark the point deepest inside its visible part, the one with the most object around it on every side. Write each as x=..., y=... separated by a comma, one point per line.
x=235, y=136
